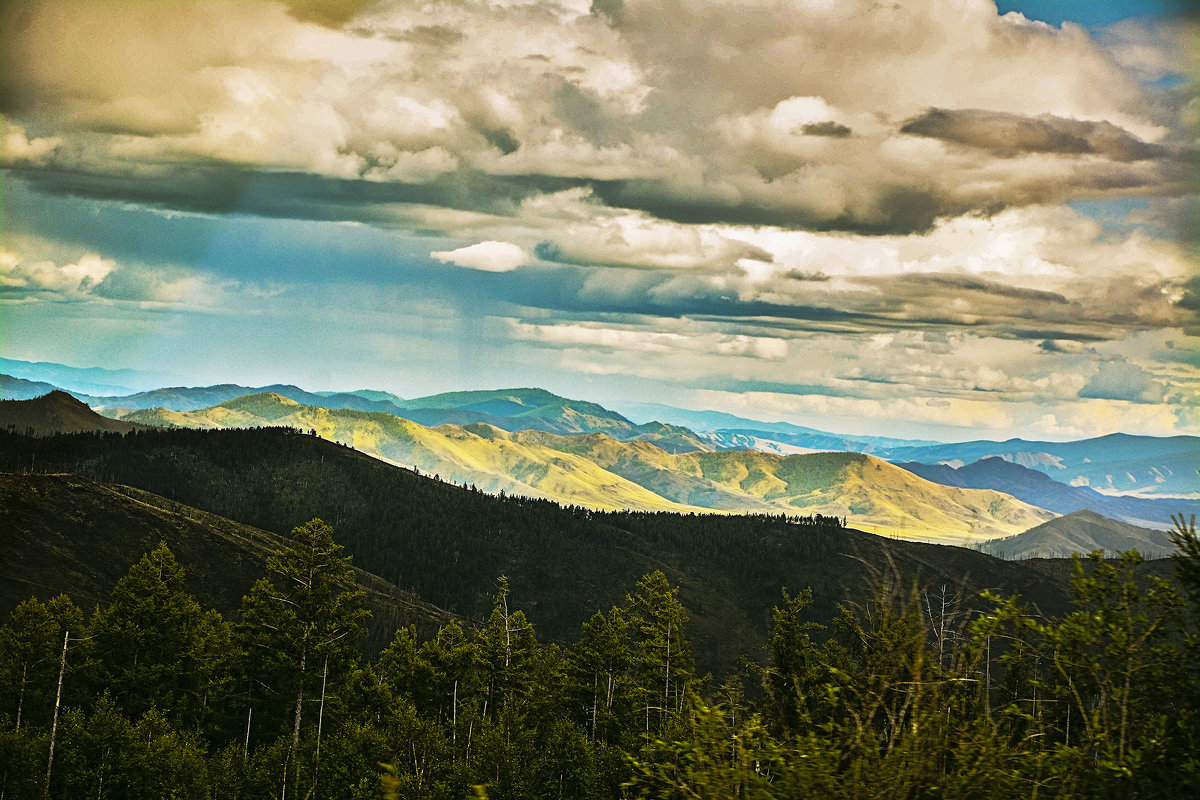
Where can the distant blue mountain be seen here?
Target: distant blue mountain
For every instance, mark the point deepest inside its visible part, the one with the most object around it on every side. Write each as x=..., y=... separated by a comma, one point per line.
x=19, y=389
x=94, y=380
x=731, y=432
x=1041, y=490
x=1117, y=463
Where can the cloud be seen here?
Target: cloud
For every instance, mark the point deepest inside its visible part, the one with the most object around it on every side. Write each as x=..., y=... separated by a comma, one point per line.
x=658, y=343
x=797, y=121
x=17, y=148
x=488, y=256
x=1120, y=380
x=1010, y=134
x=1062, y=346
x=75, y=279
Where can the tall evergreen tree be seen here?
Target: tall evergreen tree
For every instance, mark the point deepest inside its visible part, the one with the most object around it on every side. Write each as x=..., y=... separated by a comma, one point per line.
x=301, y=627
x=662, y=655
x=145, y=640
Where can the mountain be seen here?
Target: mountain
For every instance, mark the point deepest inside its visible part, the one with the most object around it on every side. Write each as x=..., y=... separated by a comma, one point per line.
x=183, y=398
x=598, y=471
x=877, y=495
x=537, y=409
x=1115, y=464
x=731, y=432
x=1041, y=490
x=507, y=409
x=95, y=380
x=1081, y=532
x=57, y=412
x=448, y=543
x=67, y=534
x=369, y=394
x=476, y=454
x=20, y=389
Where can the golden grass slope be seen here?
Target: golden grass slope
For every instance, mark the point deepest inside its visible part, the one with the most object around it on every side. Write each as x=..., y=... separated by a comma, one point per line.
x=474, y=454
x=600, y=472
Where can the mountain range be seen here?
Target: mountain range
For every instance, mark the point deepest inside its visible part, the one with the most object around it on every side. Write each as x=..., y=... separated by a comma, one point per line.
x=1116, y=464
x=1039, y=489
x=533, y=442
x=598, y=471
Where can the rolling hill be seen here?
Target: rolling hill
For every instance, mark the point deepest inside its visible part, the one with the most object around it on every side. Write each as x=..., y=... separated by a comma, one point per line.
x=476, y=454
x=448, y=543
x=57, y=412
x=1081, y=532
x=597, y=471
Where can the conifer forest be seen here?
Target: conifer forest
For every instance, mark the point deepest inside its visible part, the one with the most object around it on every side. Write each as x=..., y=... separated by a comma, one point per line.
x=916, y=692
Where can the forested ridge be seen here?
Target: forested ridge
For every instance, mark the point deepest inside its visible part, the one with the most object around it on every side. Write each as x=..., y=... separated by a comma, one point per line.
x=448, y=543
x=902, y=680
x=916, y=694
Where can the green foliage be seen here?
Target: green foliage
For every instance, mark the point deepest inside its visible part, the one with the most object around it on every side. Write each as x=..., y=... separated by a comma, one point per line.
x=150, y=642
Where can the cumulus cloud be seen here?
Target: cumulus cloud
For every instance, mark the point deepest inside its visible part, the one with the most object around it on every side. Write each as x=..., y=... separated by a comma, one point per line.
x=661, y=343
x=75, y=279
x=487, y=256
x=17, y=148
x=788, y=114
x=844, y=201
x=1119, y=380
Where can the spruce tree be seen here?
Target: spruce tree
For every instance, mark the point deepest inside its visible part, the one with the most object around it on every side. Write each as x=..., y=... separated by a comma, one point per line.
x=301, y=626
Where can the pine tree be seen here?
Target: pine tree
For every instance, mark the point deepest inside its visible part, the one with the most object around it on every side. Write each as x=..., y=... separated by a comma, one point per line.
x=30, y=644
x=145, y=637
x=662, y=656
x=301, y=627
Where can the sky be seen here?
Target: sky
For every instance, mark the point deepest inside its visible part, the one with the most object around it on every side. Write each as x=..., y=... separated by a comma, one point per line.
x=935, y=218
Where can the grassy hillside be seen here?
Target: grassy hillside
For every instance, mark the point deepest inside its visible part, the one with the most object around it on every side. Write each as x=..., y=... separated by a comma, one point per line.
x=1081, y=532
x=448, y=543
x=598, y=471
x=477, y=454
x=870, y=493
x=68, y=534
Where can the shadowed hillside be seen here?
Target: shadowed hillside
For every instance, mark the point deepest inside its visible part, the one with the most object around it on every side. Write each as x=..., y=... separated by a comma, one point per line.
x=1081, y=532
x=57, y=412
x=68, y=534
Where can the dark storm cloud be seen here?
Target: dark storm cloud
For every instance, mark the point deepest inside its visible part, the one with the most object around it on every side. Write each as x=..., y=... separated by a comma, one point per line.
x=333, y=13
x=1012, y=133
x=828, y=128
x=217, y=188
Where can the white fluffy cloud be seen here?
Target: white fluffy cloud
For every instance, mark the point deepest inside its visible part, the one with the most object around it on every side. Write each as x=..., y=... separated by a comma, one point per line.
x=856, y=115
x=490, y=256
x=826, y=206
x=72, y=280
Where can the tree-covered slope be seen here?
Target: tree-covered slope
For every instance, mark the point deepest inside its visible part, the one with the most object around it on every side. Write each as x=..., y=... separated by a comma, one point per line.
x=68, y=534
x=448, y=543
